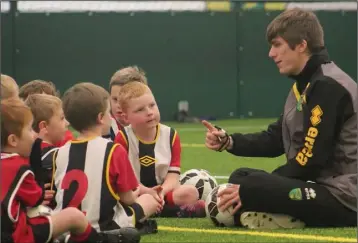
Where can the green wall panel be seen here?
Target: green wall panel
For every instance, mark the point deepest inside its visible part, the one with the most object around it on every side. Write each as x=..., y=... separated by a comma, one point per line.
x=262, y=90
x=7, y=47
x=187, y=56
x=218, y=62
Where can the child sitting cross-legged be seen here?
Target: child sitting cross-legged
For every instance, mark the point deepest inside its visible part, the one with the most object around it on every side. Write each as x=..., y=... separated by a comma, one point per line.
x=154, y=151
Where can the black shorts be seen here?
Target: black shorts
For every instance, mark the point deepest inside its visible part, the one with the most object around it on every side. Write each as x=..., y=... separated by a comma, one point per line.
x=41, y=228
x=136, y=210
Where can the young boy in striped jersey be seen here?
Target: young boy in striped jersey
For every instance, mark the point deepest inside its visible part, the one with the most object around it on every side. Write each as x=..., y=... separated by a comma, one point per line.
x=20, y=192
x=154, y=151
x=94, y=174
x=120, y=78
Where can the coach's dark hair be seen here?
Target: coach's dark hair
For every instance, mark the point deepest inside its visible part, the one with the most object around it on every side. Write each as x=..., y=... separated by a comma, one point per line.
x=294, y=26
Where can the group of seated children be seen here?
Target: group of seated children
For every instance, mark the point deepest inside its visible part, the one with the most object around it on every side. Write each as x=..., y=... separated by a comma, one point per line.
x=103, y=185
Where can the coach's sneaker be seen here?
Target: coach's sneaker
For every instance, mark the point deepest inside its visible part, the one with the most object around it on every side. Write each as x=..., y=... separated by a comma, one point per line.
x=123, y=235
x=259, y=220
x=149, y=226
x=196, y=210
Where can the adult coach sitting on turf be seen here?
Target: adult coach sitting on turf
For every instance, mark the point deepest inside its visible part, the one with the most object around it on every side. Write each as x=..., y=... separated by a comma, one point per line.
x=317, y=132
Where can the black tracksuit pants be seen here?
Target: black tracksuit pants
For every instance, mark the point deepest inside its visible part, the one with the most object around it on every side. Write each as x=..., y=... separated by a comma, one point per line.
x=310, y=202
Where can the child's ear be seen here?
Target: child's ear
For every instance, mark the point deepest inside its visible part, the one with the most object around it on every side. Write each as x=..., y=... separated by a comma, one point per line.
x=42, y=126
x=12, y=140
x=100, y=118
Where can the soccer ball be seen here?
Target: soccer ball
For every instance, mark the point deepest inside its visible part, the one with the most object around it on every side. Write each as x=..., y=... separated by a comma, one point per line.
x=220, y=219
x=201, y=179
x=40, y=210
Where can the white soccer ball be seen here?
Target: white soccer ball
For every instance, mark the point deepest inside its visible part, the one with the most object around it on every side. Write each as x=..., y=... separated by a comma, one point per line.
x=220, y=219
x=40, y=210
x=201, y=179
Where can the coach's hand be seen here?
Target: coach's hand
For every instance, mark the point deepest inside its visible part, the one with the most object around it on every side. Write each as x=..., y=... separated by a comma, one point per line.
x=230, y=197
x=216, y=139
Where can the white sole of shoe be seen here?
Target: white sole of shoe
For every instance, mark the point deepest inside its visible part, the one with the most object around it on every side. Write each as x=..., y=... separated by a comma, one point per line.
x=259, y=220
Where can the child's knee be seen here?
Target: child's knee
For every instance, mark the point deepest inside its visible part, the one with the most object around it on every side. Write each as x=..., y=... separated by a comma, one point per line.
x=190, y=193
x=73, y=215
x=148, y=198
x=148, y=203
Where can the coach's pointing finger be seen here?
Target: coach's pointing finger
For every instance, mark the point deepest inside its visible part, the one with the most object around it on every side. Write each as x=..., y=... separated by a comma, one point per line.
x=208, y=125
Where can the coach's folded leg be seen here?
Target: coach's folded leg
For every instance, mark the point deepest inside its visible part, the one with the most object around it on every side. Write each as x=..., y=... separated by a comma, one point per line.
x=239, y=174
x=309, y=202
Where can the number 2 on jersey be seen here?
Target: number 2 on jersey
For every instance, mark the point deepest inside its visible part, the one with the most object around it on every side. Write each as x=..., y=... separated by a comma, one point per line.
x=78, y=177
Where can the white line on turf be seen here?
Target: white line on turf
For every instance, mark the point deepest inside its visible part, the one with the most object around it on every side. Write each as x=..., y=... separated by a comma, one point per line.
x=299, y=236
x=233, y=128
x=221, y=177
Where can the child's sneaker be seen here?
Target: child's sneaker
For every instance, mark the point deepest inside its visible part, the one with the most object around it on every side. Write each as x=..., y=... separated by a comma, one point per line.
x=196, y=210
x=149, y=226
x=259, y=220
x=123, y=235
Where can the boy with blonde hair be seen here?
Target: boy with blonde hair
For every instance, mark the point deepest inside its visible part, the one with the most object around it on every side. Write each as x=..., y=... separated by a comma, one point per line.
x=20, y=191
x=44, y=87
x=154, y=151
x=50, y=124
x=49, y=119
x=120, y=78
x=92, y=173
x=9, y=87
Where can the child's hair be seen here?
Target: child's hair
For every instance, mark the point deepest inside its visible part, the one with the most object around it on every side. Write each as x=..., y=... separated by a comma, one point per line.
x=130, y=91
x=82, y=103
x=14, y=116
x=127, y=75
x=38, y=87
x=43, y=108
x=9, y=87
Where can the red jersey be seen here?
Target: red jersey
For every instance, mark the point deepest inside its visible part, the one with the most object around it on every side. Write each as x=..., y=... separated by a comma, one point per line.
x=68, y=137
x=46, y=145
x=18, y=191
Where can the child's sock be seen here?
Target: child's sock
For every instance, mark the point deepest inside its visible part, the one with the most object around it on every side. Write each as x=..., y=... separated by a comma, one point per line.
x=90, y=235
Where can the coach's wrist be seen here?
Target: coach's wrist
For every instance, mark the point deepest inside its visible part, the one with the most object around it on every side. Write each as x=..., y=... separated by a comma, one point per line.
x=231, y=144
